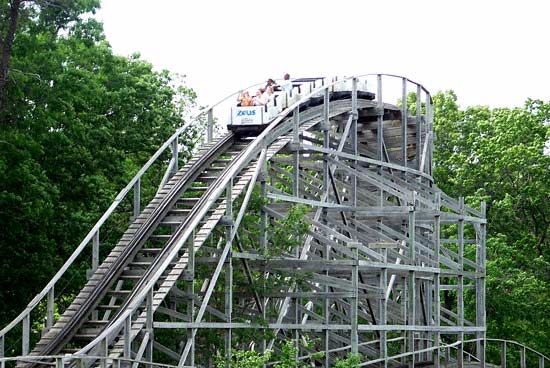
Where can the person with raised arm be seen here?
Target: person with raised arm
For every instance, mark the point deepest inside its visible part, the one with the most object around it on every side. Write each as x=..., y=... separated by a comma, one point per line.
x=260, y=98
x=273, y=85
x=244, y=99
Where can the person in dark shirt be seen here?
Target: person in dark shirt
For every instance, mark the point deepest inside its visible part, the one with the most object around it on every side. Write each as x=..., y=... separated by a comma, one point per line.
x=271, y=84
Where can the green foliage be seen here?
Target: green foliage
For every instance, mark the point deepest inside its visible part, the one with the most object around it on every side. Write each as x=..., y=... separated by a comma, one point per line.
x=350, y=361
x=244, y=359
x=287, y=358
x=77, y=124
x=288, y=232
x=289, y=352
x=252, y=359
x=498, y=156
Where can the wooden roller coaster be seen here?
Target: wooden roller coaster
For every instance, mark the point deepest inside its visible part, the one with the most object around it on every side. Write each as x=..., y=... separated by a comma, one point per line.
x=384, y=269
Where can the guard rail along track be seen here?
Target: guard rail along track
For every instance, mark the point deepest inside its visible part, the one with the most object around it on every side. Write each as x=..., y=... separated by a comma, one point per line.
x=384, y=244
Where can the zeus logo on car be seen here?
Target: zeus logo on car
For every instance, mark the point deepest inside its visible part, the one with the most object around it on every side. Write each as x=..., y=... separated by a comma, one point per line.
x=246, y=112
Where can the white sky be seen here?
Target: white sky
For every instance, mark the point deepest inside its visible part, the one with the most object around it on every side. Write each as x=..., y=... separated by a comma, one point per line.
x=489, y=52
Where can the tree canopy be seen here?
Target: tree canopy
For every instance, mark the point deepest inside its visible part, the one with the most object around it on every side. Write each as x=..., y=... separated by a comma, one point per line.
x=500, y=156
x=76, y=124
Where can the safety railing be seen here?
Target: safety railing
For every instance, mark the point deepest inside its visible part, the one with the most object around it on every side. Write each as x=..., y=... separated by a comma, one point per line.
x=524, y=356
x=447, y=355
x=61, y=361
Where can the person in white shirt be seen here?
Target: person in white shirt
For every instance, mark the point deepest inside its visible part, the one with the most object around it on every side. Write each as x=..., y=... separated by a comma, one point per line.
x=261, y=98
x=286, y=84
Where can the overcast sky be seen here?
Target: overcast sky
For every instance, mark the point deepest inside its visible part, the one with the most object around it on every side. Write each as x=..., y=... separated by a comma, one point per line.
x=489, y=52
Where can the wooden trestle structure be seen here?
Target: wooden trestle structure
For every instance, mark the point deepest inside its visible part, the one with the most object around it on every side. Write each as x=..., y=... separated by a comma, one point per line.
x=385, y=269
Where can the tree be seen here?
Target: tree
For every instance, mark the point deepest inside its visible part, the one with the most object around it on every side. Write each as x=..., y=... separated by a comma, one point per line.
x=51, y=15
x=82, y=121
x=498, y=156
x=6, y=41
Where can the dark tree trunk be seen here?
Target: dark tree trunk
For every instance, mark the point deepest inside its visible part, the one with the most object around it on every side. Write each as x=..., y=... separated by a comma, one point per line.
x=6, y=45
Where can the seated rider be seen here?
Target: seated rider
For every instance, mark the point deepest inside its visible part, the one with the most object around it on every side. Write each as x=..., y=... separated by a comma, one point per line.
x=286, y=84
x=245, y=99
x=271, y=84
x=262, y=97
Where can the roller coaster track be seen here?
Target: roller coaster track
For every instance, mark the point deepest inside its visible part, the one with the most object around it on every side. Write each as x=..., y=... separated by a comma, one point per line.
x=111, y=272
x=375, y=261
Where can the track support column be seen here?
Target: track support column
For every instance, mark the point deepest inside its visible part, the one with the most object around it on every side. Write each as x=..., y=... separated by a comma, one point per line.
x=263, y=246
x=480, y=289
x=296, y=152
x=380, y=131
x=26, y=335
x=175, y=156
x=411, y=295
x=228, y=221
x=383, y=310
x=354, y=142
x=127, y=337
x=137, y=200
x=149, y=327
x=2, y=364
x=210, y=126
x=460, y=290
x=59, y=363
x=437, y=279
x=50, y=309
x=418, y=128
x=404, y=113
x=191, y=292
x=355, y=294
x=325, y=128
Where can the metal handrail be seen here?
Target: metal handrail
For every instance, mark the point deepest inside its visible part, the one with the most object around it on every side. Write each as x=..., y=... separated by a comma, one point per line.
x=513, y=342
x=453, y=345
x=63, y=359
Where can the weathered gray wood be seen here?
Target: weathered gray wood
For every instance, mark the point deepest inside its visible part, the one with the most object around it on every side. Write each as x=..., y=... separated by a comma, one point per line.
x=460, y=290
x=210, y=125
x=418, y=127
x=25, y=335
x=50, y=309
x=314, y=327
x=296, y=152
x=503, y=353
x=137, y=199
x=2, y=350
x=404, y=113
x=127, y=338
x=95, y=251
